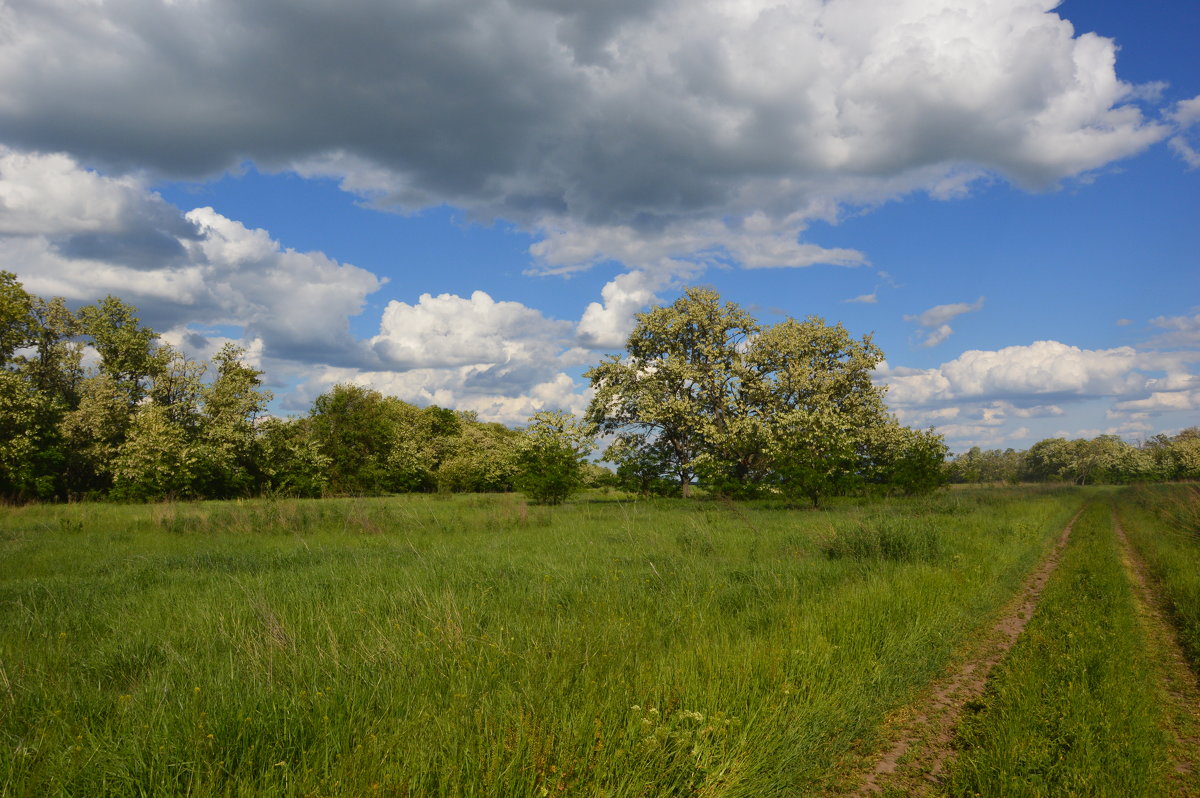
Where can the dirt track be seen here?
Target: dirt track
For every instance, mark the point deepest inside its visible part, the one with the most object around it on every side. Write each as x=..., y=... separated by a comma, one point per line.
x=928, y=734
x=1179, y=683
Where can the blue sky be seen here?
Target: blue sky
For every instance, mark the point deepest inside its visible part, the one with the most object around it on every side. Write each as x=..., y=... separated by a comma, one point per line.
x=466, y=203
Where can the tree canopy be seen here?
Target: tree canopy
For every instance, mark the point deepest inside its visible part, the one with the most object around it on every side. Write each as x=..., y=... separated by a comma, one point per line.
x=705, y=395
x=146, y=422
x=552, y=456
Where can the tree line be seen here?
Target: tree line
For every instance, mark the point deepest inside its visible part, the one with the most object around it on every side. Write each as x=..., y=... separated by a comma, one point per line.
x=1105, y=459
x=94, y=405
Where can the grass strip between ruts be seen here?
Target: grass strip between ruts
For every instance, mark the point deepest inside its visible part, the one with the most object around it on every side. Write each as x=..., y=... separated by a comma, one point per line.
x=1163, y=523
x=1074, y=709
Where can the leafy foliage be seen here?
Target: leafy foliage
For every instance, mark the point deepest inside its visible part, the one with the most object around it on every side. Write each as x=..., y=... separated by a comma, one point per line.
x=676, y=398
x=551, y=458
x=293, y=461
x=704, y=394
x=156, y=460
x=16, y=317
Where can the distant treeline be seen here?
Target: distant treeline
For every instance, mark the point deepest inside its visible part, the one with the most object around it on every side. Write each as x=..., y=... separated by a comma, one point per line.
x=145, y=422
x=703, y=397
x=1106, y=459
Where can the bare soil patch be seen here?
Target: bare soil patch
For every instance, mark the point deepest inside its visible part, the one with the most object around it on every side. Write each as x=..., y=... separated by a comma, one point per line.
x=923, y=733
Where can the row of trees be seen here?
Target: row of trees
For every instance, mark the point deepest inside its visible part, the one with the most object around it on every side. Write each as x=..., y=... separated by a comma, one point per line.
x=705, y=395
x=146, y=422
x=1106, y=459
x=375, y=444
x=142, y=421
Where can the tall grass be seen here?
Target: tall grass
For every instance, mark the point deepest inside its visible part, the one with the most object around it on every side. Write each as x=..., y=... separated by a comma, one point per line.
x=476, y=646
x=1163, y=523
x=901, y=539
x=1074, y=709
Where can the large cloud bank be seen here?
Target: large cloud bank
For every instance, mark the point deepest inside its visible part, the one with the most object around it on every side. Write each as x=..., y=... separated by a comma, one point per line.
x=201, y=278
x=668, y=136
x=636, y=131
x=73, y=233
x=606, y=113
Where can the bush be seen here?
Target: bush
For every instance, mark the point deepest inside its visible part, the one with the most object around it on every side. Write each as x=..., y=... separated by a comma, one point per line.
x=549, y=473
x=550, y=462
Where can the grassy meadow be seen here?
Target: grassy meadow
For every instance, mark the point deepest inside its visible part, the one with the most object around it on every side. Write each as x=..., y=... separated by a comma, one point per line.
x=473, y=645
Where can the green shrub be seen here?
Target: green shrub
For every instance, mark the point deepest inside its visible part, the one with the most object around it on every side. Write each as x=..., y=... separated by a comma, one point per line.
x=549, y=473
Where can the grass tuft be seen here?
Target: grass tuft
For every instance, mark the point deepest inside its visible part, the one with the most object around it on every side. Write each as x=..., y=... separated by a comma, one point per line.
x=896, y=539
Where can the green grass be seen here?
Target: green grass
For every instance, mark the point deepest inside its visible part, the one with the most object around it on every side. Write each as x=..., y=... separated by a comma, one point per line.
x=1163, y=523
x=475, y=646
x=1074, y=709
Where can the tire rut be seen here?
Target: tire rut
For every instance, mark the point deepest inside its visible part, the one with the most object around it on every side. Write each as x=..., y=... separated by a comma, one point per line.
x=1179, y=682
x=929, y=733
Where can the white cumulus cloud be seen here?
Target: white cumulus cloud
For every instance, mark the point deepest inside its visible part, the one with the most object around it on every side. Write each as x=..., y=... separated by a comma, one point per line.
x=668, y=137
x=449, y=330
x=1163, y=401
x=1026, y=386
x=68, y=231
x=1179, y=330
x=1041, y=369
x=607, y=324
x=1185, y=115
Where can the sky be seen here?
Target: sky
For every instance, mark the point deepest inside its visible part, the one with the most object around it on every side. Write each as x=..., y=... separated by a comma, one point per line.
x=467, y=203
